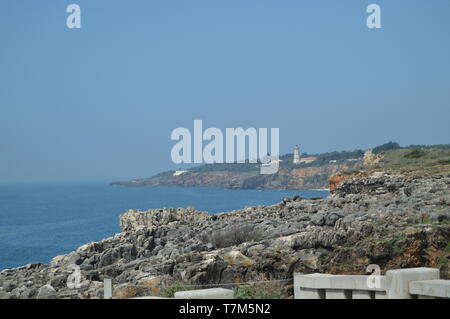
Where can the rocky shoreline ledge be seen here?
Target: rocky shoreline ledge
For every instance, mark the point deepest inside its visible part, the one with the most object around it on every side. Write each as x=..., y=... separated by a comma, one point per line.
x=395, y=221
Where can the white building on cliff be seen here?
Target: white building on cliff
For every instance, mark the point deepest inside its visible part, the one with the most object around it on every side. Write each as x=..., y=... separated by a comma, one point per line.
x=296, y=155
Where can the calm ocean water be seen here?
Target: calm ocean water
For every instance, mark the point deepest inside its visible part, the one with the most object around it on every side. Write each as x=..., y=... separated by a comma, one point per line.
x=38, y=222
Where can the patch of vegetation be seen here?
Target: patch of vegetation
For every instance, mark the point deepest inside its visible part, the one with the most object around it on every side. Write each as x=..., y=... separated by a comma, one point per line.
x=351, y=172
x=415, y=157
x=261, y=291
x=437, y=146
x=395, y=244
x=443, y=261
x=255, y=181
x=416, y=153
x=348, y=244
x=442, y=223
x=398, y=244
x=386, y=147
x=243, y=292
x=235, y=235
x=169, y=291
x=322, y=159
x=164, y=174
x=229, y=167
x=425, y=220
x=444, y=162
x=126, y=292
x=394, y=156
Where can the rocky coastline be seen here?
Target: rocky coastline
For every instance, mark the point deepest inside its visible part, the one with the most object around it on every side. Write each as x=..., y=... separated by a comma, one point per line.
x=394, y=221
x=301, y=178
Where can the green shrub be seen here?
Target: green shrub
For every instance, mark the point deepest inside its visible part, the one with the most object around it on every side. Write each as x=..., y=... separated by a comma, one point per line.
x=169, y=291
x=351, y=172
x=416, y=153
x=443, y=261
x=243, y=292
x=444, y=162
x=425, y=219
x=447, y=248
x=261, y=291
x=386, y=147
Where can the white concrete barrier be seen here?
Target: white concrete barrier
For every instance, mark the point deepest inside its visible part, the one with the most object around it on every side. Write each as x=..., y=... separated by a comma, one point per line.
x=107, y=288
x=399, y=280
x=212, y=293
x=326, y=281
x=363, y=294
x=381, y=295
x=325, y=286
x=430, y=289
x=397, y=284
x=338, y=294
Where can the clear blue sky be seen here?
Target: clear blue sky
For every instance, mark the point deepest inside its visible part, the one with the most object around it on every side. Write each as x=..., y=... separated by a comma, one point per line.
x=99, y=103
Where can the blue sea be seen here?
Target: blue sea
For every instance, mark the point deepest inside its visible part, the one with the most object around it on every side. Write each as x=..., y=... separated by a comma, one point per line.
x=38, y=222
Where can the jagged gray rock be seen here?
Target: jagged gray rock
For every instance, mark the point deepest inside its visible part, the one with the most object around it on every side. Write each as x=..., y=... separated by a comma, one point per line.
x=389, y=220
x=46, y=292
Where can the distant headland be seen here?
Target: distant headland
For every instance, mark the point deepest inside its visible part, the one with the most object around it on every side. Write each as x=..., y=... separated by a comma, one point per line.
x=300, y=171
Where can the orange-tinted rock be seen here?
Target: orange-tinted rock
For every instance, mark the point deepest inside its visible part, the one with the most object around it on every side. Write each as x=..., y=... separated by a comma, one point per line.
x=336, y=180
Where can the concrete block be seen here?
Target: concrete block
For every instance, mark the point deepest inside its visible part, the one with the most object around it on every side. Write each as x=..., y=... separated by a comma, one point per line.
x=212, y=293
x=350, y=282
x=363, y=294
x=297, y=288
x=107, y=288
x=301, y=289
x=310, y=293
x=431, y=288
x=425, y=297
x=315, y=281
x=381, y=295
x=338, y=294
x=399, y=280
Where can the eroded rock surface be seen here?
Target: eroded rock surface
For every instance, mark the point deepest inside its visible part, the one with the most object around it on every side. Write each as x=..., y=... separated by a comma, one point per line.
x=392, y=221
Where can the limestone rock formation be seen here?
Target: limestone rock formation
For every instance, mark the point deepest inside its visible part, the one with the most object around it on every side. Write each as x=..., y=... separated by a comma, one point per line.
x=394, y=221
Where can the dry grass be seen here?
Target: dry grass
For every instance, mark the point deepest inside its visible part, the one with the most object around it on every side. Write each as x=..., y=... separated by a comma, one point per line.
x=235, y=235
x=126, y=292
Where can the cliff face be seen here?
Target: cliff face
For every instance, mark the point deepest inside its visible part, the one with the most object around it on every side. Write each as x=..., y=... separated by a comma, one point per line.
x=285, y=178
x=392, y=221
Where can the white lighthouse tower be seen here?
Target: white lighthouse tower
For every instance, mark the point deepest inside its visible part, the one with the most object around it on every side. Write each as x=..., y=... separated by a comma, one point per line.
x=296, y=155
